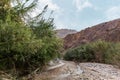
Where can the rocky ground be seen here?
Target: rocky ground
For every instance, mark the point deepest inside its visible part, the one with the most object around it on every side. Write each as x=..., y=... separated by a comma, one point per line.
x=81, y=71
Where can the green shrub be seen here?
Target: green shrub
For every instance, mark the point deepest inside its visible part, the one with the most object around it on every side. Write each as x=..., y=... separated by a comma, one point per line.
x=98, y=51
x=44, y=30
x=25, y=43
x=17, y=45
x=112, y=56
x=21, y=50
x=81, y=53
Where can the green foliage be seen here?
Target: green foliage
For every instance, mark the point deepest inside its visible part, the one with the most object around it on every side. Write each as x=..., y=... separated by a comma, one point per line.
x=112, y=56
x=44, y=30
x=25, y=46
x=100, y=48
x=81, y=53
x=18, y=12
x=17, y=46
x=99, y=51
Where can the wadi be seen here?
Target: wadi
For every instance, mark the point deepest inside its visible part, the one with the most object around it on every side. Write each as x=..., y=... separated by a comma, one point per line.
x=32, y=47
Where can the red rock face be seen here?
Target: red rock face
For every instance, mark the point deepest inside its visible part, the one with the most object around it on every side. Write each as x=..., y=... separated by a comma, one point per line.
x=108, y=31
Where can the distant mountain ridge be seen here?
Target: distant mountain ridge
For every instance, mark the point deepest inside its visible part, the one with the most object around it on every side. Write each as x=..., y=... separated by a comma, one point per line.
x=108, y=31
x=64, y=32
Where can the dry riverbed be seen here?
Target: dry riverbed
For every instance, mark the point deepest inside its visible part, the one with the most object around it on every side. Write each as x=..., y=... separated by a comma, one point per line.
x=81, y=71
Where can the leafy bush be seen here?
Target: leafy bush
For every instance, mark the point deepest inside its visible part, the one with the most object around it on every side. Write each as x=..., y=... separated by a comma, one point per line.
x=17, y=45
x=112, y=56
x=44, y=30
x=81, y=53
x=24, y=45
x=99, y=51
x=22, y=50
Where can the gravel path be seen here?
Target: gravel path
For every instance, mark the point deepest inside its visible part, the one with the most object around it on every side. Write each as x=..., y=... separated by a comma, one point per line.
x=81, y=71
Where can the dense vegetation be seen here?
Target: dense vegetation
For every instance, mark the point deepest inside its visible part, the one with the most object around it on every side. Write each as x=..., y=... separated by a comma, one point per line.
x=99, y=51
x=25, y=45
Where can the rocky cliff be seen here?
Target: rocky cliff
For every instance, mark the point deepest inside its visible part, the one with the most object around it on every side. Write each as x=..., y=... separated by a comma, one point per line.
x=108, y=31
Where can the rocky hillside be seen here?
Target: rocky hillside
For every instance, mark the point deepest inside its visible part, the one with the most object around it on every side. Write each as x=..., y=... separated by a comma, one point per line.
x=108, y=31
x=63, y=32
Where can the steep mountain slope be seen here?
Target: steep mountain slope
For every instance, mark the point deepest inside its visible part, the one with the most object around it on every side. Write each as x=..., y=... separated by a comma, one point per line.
x=108, y=31
x=63, y=32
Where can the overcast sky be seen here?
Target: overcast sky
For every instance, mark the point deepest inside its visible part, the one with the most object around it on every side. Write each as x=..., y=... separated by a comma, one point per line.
x=80, y=14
